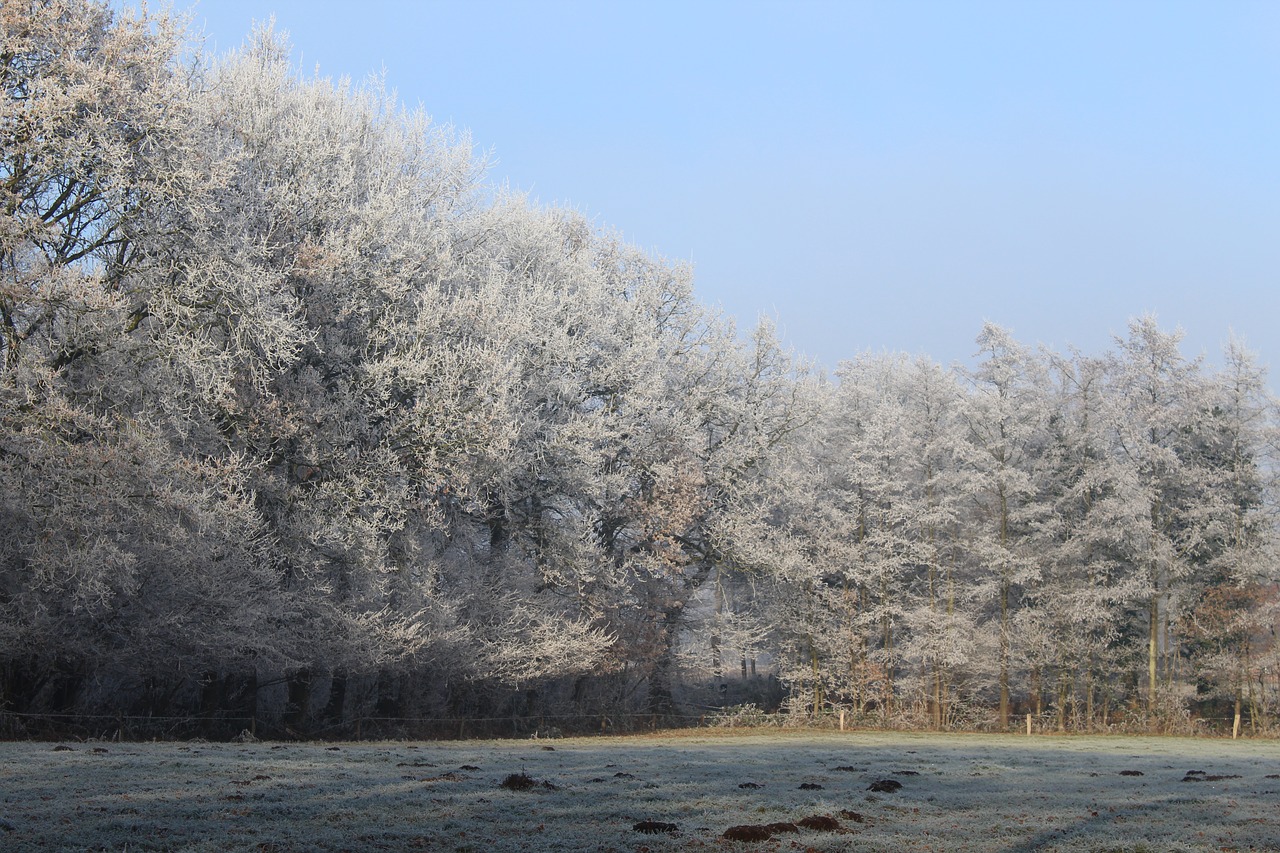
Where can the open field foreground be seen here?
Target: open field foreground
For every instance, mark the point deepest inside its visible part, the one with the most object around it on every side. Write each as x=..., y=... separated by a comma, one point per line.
x=958, y=793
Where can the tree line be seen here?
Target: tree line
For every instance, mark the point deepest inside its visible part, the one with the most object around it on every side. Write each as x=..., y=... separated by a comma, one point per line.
x=304, y=420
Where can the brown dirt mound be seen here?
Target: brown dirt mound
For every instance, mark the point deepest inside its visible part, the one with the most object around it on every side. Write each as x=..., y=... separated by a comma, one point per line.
x=519, y=782
x=856, y=817
x=747, y=832
x=820, y=822
x=885, y=786
x=758, y=832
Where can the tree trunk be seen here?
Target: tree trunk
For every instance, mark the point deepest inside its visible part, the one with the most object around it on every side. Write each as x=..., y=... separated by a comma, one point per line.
x=390, y=696
x=662, y=674
x=815, y=663
x=335, y=708
x=937, y=696
x=1153, y=644
x=1004, y=610
x=1004, y=656
x=1153, y=628
x=299, y=686
x=717, y=664
x=888, y=671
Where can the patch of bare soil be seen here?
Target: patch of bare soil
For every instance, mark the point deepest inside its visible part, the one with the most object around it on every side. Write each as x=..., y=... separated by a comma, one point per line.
x=885, y=786
x=525, y=782
x=519, y=782
x=443, y=777
x=748, y=832
x=1201, y=776
x=259, y=778
x=654, y=827
x=758, y=831
x=765, y=831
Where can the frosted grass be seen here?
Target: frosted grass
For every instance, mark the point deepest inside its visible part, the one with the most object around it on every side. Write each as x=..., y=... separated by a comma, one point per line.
x=959, y=793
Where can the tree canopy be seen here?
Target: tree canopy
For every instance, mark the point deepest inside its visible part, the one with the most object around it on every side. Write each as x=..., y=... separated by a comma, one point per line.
x=302, y=421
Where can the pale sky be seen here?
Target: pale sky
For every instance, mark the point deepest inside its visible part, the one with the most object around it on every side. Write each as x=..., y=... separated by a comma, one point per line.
x=874, y=175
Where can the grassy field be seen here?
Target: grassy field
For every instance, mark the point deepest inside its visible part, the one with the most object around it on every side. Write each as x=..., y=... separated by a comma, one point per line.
x=803, y=790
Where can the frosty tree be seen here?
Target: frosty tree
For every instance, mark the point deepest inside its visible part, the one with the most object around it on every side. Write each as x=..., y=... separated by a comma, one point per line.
x=303, y=422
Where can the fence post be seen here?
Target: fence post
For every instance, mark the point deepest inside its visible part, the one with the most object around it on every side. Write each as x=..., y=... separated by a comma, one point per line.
x=842, y=721
x=1028, y=725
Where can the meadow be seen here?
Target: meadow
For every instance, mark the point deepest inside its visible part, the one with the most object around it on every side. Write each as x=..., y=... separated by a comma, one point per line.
x=701, y=790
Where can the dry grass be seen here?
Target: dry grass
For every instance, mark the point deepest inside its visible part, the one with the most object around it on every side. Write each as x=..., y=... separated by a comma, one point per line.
x=959, y=793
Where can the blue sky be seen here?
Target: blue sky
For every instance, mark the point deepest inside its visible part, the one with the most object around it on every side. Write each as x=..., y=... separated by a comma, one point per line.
x=874, y=175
